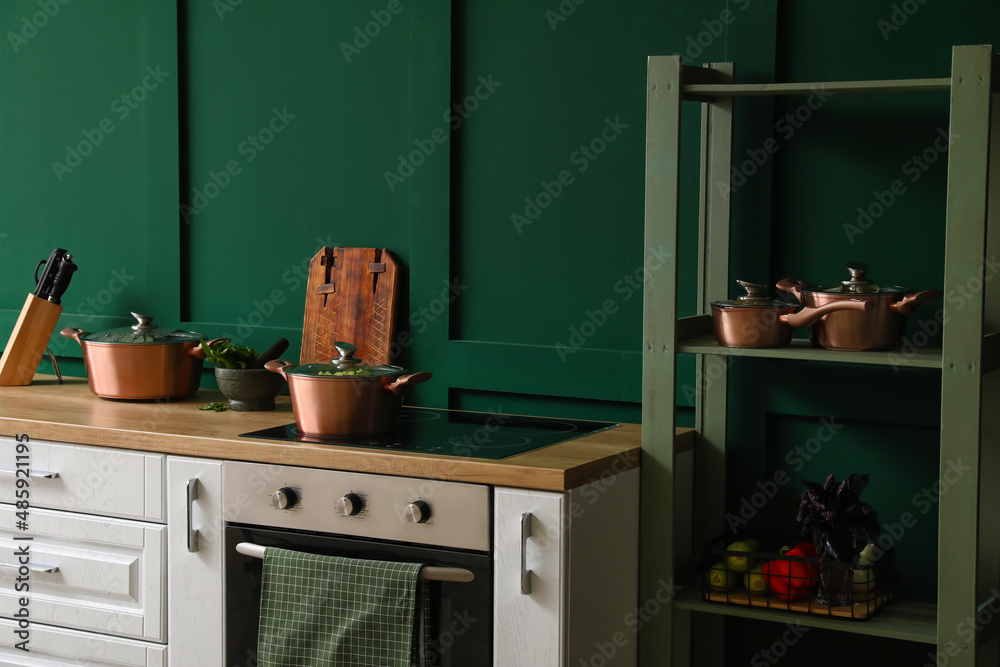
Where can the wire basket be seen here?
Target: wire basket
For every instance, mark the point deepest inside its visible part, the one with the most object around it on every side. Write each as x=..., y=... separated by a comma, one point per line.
x=798, y=583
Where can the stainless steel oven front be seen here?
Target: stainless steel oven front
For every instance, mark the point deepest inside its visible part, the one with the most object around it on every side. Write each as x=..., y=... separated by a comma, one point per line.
x=358, y=515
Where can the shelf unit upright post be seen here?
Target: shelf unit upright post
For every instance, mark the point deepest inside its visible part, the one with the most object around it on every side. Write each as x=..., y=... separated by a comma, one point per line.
x=969, y=465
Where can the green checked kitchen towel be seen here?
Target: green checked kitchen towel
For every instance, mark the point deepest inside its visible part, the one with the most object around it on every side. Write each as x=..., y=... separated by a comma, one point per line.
x=326, y=611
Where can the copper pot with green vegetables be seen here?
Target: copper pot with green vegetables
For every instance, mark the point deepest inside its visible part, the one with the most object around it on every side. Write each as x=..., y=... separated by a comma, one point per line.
x=345, y=398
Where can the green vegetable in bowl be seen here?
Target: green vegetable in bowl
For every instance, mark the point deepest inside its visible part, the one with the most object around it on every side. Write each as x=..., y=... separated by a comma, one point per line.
x=226, y=355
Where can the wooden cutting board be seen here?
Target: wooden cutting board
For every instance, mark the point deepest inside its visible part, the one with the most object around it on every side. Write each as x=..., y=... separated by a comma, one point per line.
x=351, y=297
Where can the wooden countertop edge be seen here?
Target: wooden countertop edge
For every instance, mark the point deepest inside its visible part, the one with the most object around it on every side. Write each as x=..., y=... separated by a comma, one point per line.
x=559, y=467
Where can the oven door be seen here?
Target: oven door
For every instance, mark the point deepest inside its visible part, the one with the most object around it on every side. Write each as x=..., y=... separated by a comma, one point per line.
x=461, y=618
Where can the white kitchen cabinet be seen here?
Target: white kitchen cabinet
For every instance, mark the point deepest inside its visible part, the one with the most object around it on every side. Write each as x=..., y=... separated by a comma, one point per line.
x=58, y=647
x=577, y=556
x=93, y=480
x=92, y=519
x=106, y=574
x=195, y=572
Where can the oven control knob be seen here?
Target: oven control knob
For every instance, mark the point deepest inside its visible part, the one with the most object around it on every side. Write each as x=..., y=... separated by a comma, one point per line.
x=284, y=498
x=350, y=504
x=417, y=512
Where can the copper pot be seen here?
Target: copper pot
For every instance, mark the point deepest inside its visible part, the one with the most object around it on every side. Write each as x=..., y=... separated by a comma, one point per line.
x=880, y=328
x=345, y=398
x=140, y=362
x=754, y=320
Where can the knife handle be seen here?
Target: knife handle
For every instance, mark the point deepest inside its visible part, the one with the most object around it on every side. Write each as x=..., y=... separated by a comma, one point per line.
x=44, y=284
x=63, y=275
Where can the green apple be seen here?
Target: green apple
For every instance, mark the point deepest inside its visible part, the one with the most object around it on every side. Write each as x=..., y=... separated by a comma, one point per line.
x=738, y=562
x=721, y=578
x=755, y=580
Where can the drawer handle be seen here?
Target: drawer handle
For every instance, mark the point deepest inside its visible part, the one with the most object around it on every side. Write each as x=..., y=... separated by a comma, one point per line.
x=192, y=495
x=525, y=572
x=34, y=567
x=32, y=473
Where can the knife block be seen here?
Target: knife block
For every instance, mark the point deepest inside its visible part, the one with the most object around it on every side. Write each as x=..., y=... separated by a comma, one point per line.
x=28, y=340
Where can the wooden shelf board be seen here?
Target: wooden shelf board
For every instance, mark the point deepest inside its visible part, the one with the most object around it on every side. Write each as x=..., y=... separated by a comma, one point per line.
x=802, y=350
x=900, y=619
x=701, y=90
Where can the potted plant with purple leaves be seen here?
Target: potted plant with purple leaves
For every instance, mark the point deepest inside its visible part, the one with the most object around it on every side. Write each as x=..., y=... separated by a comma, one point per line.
x=836, y=518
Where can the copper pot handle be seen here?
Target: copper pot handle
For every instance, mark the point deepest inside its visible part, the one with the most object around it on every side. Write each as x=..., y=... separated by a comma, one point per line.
x=793, y=286
x=909, y=303
x=198, y=353
x=404, y=382
x=808, y=316
x=75, y=333
x=279, y=366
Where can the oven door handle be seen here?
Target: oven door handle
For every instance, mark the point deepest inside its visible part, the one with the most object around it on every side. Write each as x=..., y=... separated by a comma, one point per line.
x=427, y=572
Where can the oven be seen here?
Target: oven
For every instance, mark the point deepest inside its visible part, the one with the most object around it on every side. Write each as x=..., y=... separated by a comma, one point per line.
x=441, y=524
x=444, y=525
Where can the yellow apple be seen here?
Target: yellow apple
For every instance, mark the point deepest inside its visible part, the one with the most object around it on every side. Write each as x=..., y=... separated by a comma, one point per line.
x=739, y=562
x=755, y=580
x=721, y=578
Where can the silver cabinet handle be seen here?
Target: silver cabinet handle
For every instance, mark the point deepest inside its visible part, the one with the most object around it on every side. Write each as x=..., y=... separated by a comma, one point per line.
x=191, y=487
x=34, y=567
x=525, y=572
x=32, y=473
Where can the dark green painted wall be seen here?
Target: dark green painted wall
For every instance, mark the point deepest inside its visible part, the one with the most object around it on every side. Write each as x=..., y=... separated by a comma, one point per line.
x=284, y=128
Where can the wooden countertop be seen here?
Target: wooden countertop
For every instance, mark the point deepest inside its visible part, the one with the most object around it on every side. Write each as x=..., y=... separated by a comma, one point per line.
x=69, y=412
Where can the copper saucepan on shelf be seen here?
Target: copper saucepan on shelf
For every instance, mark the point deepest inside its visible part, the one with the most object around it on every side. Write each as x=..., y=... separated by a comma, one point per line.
x=755, y=320
x=880, y=328
x=345, y=398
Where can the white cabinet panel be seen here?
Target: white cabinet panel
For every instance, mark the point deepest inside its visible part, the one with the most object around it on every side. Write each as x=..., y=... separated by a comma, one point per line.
x=94, y=480
x=56, y=647
x=110, y=575
x=602, y=609
x=583, y=556
x=195, y=580
x=529, y=628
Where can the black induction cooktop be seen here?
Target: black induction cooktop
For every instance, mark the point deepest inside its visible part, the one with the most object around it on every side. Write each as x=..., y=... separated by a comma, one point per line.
x=481, y=435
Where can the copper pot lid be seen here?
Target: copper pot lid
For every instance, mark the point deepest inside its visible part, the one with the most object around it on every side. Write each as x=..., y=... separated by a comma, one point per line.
x=346, y=366
x=144, y=332
x=756, y=297
x=859, y=284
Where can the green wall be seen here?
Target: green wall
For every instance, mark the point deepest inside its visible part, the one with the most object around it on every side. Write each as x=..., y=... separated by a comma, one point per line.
x=208, y=149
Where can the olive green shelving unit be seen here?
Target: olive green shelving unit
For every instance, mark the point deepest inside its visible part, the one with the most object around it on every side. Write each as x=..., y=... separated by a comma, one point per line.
x=969, y=514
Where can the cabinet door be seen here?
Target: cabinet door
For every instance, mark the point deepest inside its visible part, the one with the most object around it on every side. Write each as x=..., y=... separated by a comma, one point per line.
x=195, y=574
x=95, y=480
x=55, y=647
x=529, y=627
x=90, y=573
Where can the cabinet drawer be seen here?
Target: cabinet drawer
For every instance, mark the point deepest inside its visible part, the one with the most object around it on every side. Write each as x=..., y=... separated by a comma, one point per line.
x=58, y=646
x=96, y=480
x=110, y=573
